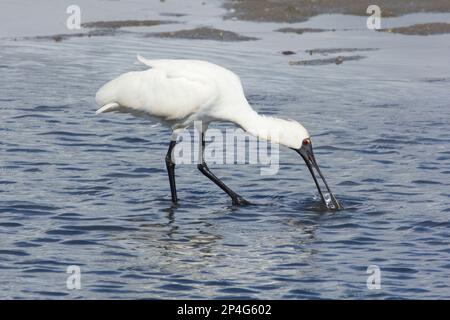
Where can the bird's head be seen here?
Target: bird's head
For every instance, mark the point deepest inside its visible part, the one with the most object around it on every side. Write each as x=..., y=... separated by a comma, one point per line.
x=292, y=134
x=306, y=152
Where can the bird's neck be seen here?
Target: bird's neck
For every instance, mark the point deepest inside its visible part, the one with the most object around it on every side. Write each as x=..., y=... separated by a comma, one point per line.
x=263, y=127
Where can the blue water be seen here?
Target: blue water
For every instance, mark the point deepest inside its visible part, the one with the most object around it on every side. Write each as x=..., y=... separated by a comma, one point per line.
x=87, y=190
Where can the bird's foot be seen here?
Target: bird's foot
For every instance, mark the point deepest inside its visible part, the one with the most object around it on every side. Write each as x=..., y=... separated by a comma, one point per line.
x=239, y=201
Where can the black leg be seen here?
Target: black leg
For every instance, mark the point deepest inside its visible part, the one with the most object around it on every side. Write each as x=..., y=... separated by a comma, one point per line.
x=237, y=199
x=171, y=171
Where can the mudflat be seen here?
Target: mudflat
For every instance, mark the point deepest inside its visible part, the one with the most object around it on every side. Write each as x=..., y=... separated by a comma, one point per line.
x=202, y=33
x=302, y=10
x=423, y=29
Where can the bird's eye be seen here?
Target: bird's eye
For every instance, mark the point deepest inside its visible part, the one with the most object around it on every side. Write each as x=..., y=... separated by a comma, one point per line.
x=306, y=141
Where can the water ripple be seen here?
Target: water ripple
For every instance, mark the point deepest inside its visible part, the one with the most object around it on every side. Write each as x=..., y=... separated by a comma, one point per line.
x=92, y=191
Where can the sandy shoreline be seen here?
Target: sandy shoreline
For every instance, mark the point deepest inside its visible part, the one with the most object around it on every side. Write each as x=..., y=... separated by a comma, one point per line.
x=188, y=18
x=423, y=29
x=302, y=10
x=202, y=33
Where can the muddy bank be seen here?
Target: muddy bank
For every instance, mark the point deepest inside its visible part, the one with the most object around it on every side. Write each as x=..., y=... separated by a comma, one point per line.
x=436, y=80
x=303, y=30
x=93, y=33
x=302, y=10
x=327, y=51
x=203, y=33
x=320, y=62
x=112, y=28
x=103, y=28
x=424, y=29
x=123, y=24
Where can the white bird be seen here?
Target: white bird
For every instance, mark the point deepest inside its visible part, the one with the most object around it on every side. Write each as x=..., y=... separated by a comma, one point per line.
x=179, y=92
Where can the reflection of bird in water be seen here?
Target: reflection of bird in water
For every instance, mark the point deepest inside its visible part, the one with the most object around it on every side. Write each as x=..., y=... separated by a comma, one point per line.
x=179, y=92
x=169, y=236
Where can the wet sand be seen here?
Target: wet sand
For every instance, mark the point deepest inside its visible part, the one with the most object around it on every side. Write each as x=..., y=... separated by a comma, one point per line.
x=123, y=23
x=424, y=29
x=302, y=10
x=327, y=51
x=320, y=62
x=111, y=28
x=303, y=30
x=61, y=37
x=271, y=10
x=203, y=33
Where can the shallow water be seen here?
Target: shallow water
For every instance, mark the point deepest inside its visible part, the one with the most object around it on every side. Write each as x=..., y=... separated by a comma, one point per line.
x=92, y=191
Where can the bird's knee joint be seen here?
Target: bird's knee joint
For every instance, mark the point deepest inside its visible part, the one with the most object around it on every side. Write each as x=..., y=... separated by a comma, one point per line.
x=169, y=162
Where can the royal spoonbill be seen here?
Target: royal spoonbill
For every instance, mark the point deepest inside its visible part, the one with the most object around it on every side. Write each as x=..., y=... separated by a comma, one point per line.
x=179, y=92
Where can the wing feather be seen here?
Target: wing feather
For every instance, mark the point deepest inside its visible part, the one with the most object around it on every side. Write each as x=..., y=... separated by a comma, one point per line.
x=172, y=91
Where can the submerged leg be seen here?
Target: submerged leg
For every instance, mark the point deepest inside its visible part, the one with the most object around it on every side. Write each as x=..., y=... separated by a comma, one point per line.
x=237, y=199
x=171, y=171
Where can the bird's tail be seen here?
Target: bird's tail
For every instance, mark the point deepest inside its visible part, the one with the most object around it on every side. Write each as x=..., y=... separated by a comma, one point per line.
x=108, y=108
x=147, y=62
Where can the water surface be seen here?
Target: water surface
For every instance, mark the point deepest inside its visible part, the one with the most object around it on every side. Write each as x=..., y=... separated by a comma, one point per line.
x=92, y=191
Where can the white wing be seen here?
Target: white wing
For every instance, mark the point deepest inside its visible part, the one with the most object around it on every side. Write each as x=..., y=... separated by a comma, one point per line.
x=170, y=91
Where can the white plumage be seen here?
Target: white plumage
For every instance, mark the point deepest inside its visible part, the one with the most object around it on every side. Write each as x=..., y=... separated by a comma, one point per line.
x=180, y=92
